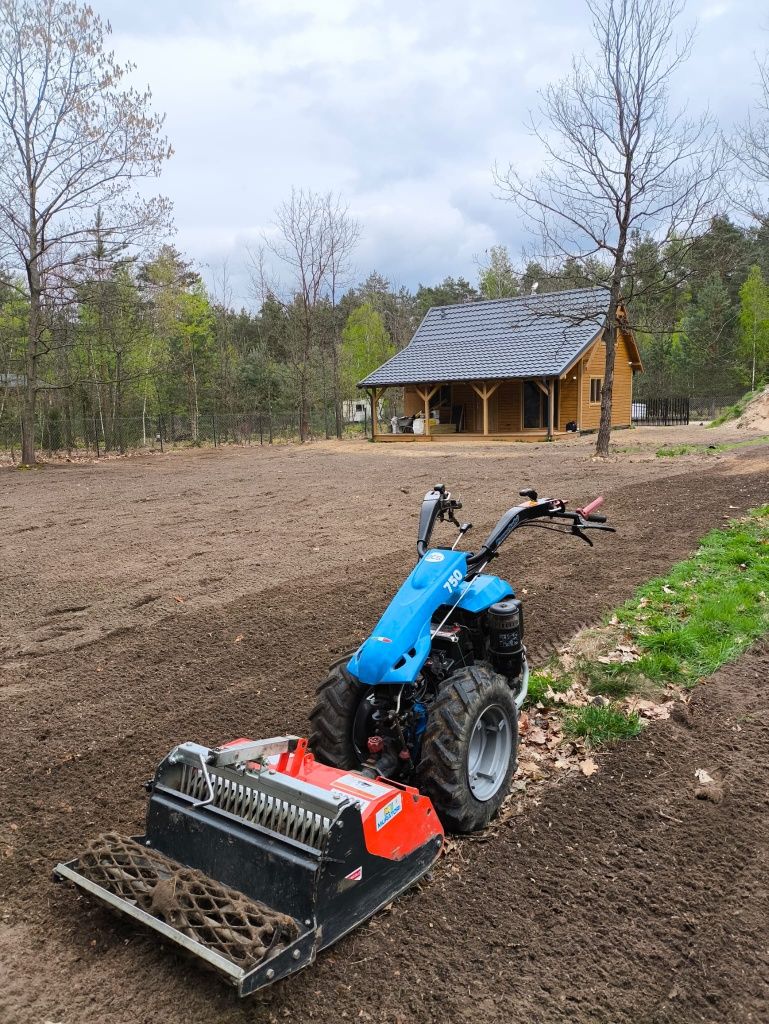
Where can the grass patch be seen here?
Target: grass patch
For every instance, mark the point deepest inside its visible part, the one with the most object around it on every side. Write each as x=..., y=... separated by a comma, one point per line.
x=599, y=725
x=609, y=680
x=676, y=629
x=733, y=412
x=540, y=683
x=670, y=451
x=706, y=611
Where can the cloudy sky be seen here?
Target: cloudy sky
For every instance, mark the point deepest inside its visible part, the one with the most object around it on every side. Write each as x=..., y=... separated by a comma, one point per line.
x=402, y=106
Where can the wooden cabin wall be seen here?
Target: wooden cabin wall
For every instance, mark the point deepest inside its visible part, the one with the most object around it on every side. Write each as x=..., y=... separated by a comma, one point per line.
x=412, y=402
x=622, y=399
x=508, y=407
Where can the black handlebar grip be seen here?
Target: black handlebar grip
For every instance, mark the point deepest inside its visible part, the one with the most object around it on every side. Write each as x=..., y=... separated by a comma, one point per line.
x=596, y=519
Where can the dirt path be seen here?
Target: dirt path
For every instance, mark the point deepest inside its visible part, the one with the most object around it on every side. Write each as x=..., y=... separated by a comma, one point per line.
x=545, y=923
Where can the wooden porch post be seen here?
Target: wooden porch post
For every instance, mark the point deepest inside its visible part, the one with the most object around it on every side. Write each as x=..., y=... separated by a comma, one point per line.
x=550, y=404
x=374, y=413
x=426, y=396
x=485, y=394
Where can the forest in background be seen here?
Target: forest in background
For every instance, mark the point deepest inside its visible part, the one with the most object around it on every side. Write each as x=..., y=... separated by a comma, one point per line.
x=139, y=340
x=108, y=333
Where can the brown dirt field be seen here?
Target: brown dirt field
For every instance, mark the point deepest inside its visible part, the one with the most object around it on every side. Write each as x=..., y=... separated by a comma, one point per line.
x=618, y=899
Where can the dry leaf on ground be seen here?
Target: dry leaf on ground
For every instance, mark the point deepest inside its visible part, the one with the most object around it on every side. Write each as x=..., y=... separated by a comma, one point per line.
x=649, y=709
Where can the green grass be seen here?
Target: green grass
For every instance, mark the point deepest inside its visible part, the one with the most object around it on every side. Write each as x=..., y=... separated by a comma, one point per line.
x=707, y=610
x=608, y=680
x=600, y=725
x=672, y=450
x=733, y=412
x=539, y=683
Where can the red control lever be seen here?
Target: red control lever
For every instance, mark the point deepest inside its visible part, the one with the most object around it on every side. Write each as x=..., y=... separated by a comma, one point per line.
x=588, y=509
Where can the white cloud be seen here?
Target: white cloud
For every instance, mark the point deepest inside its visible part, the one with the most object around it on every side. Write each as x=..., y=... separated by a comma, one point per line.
x=403, y=107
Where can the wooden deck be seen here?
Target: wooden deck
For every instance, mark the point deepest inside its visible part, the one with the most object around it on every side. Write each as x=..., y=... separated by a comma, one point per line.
x=526, y=435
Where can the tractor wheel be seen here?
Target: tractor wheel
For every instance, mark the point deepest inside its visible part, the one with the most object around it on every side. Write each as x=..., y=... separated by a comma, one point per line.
x=337, y=718
x=469, y=748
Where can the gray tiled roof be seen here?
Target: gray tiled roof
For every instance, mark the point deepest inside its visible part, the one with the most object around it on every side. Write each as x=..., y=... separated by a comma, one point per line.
x=535, y=335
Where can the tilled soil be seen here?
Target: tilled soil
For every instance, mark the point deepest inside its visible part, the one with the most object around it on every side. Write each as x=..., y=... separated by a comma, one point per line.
x=618, y=899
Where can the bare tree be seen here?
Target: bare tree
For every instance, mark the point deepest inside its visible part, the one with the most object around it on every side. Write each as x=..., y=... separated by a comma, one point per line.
x=313, y=239
x=344, y=233
x=617, y=161
x=752, y=150
x=73, y=137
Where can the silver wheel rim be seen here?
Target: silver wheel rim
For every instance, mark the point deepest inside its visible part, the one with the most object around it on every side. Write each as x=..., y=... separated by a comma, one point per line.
x=488, y=755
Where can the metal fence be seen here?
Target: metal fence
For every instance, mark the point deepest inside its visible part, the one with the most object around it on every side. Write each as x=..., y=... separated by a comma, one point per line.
x=664, y=410
x=661, y=412
x=90, y=433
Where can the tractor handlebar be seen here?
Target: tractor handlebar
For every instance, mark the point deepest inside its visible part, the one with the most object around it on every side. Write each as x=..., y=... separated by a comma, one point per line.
x=439, y=505
x=436, y=505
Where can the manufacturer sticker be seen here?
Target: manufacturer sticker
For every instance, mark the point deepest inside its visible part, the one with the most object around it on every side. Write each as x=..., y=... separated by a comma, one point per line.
x=434, y=556
x=355, y=876
x=361, y=785
x=388, y=812
x=382, y=639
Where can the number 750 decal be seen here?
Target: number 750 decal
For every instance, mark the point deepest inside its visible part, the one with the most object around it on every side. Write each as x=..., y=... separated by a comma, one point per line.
x=453, y=581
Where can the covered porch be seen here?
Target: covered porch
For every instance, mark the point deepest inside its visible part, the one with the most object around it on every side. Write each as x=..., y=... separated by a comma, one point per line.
x=522, y=409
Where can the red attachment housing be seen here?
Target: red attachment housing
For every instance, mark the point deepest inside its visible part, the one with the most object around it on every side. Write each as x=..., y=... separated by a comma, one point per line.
x=397, y=819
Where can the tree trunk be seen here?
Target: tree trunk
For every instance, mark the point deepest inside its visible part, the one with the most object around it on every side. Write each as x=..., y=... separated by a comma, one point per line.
x=193, y=405
x=304, y=411
x=324, y=392
x=117, y=405
x=610, y=338
x=29, y=403
x=604, y=430
x=336, y=387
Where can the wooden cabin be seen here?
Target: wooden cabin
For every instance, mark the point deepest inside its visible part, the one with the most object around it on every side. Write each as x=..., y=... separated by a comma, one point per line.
x=526, y=369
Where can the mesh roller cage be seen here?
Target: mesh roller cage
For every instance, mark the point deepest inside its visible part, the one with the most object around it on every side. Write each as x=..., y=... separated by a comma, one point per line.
x=242, y=930
x=254, y=866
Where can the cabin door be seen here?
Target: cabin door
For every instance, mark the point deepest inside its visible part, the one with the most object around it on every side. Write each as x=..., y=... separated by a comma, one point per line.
x=535, y=406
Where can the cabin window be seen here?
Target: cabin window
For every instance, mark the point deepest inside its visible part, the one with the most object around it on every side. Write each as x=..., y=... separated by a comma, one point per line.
x=596, y=386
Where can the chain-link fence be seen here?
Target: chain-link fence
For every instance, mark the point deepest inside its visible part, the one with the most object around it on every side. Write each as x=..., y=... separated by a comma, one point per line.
x=92, y=433
x=707, y=407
